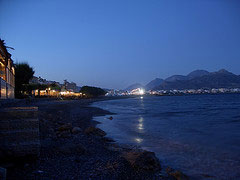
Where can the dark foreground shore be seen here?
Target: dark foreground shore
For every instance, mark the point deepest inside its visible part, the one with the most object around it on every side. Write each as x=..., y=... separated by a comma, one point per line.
x=73, y=148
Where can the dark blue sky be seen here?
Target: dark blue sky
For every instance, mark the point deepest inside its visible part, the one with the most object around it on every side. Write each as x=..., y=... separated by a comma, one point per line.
x=114, y=43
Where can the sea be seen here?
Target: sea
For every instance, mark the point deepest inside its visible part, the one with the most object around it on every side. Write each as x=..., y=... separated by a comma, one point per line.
x=196, y=134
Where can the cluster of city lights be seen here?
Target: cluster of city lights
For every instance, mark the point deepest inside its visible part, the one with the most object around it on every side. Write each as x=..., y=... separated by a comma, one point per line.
x=141, y=92
x=138, y=91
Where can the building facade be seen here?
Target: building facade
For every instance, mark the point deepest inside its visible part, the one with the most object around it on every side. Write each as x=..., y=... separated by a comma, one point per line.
x=7, y=73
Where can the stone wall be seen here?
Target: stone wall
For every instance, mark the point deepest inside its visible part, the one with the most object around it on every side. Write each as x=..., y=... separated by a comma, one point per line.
x=19, y=132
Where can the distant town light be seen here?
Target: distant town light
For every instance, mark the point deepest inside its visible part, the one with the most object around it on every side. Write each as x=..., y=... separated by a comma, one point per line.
x=63, y=93
x=141, y=91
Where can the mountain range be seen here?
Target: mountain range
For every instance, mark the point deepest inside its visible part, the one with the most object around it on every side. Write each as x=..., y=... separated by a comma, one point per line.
x=195, y=80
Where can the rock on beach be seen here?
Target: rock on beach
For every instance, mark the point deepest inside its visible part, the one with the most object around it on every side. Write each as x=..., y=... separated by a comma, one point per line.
x=76, y=130
x=142, y=160
x=95, y=131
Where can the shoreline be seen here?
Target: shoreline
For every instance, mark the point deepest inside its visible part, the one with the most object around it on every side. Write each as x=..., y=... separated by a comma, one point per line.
x=167, y=172
x=212, y=174
x=83, y=154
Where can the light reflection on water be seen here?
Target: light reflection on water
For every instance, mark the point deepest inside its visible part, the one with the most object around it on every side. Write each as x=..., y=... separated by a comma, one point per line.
x=195, y=134
x=138, y=140
x=140, y=119
x=140, y=124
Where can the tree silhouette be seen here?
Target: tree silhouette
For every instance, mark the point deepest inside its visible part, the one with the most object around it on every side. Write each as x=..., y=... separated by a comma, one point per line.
x=23, y=73
x=92, y=91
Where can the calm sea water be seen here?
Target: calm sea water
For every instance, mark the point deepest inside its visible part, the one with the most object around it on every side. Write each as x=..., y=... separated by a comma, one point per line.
x=198, y=134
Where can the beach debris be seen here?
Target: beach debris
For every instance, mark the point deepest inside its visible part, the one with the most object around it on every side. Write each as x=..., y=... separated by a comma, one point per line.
x=178, y=175
x=142, y=160
x=94, y=131
x=76, y=130
x=110, y=118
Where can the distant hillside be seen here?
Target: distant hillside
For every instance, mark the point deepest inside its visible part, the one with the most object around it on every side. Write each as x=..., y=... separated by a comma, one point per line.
x=176, y=78
x=154, y=83
x=194, y=74
x=197, y=73
x=157, y=82
x=134, y=86
x=201, y=79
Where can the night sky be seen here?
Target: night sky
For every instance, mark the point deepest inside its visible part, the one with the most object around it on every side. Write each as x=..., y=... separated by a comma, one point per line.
x=115, y=43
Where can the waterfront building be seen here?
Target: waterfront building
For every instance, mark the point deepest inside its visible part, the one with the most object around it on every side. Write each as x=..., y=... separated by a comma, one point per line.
x=46, y=88
x=72, y=87
x=7, y=73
